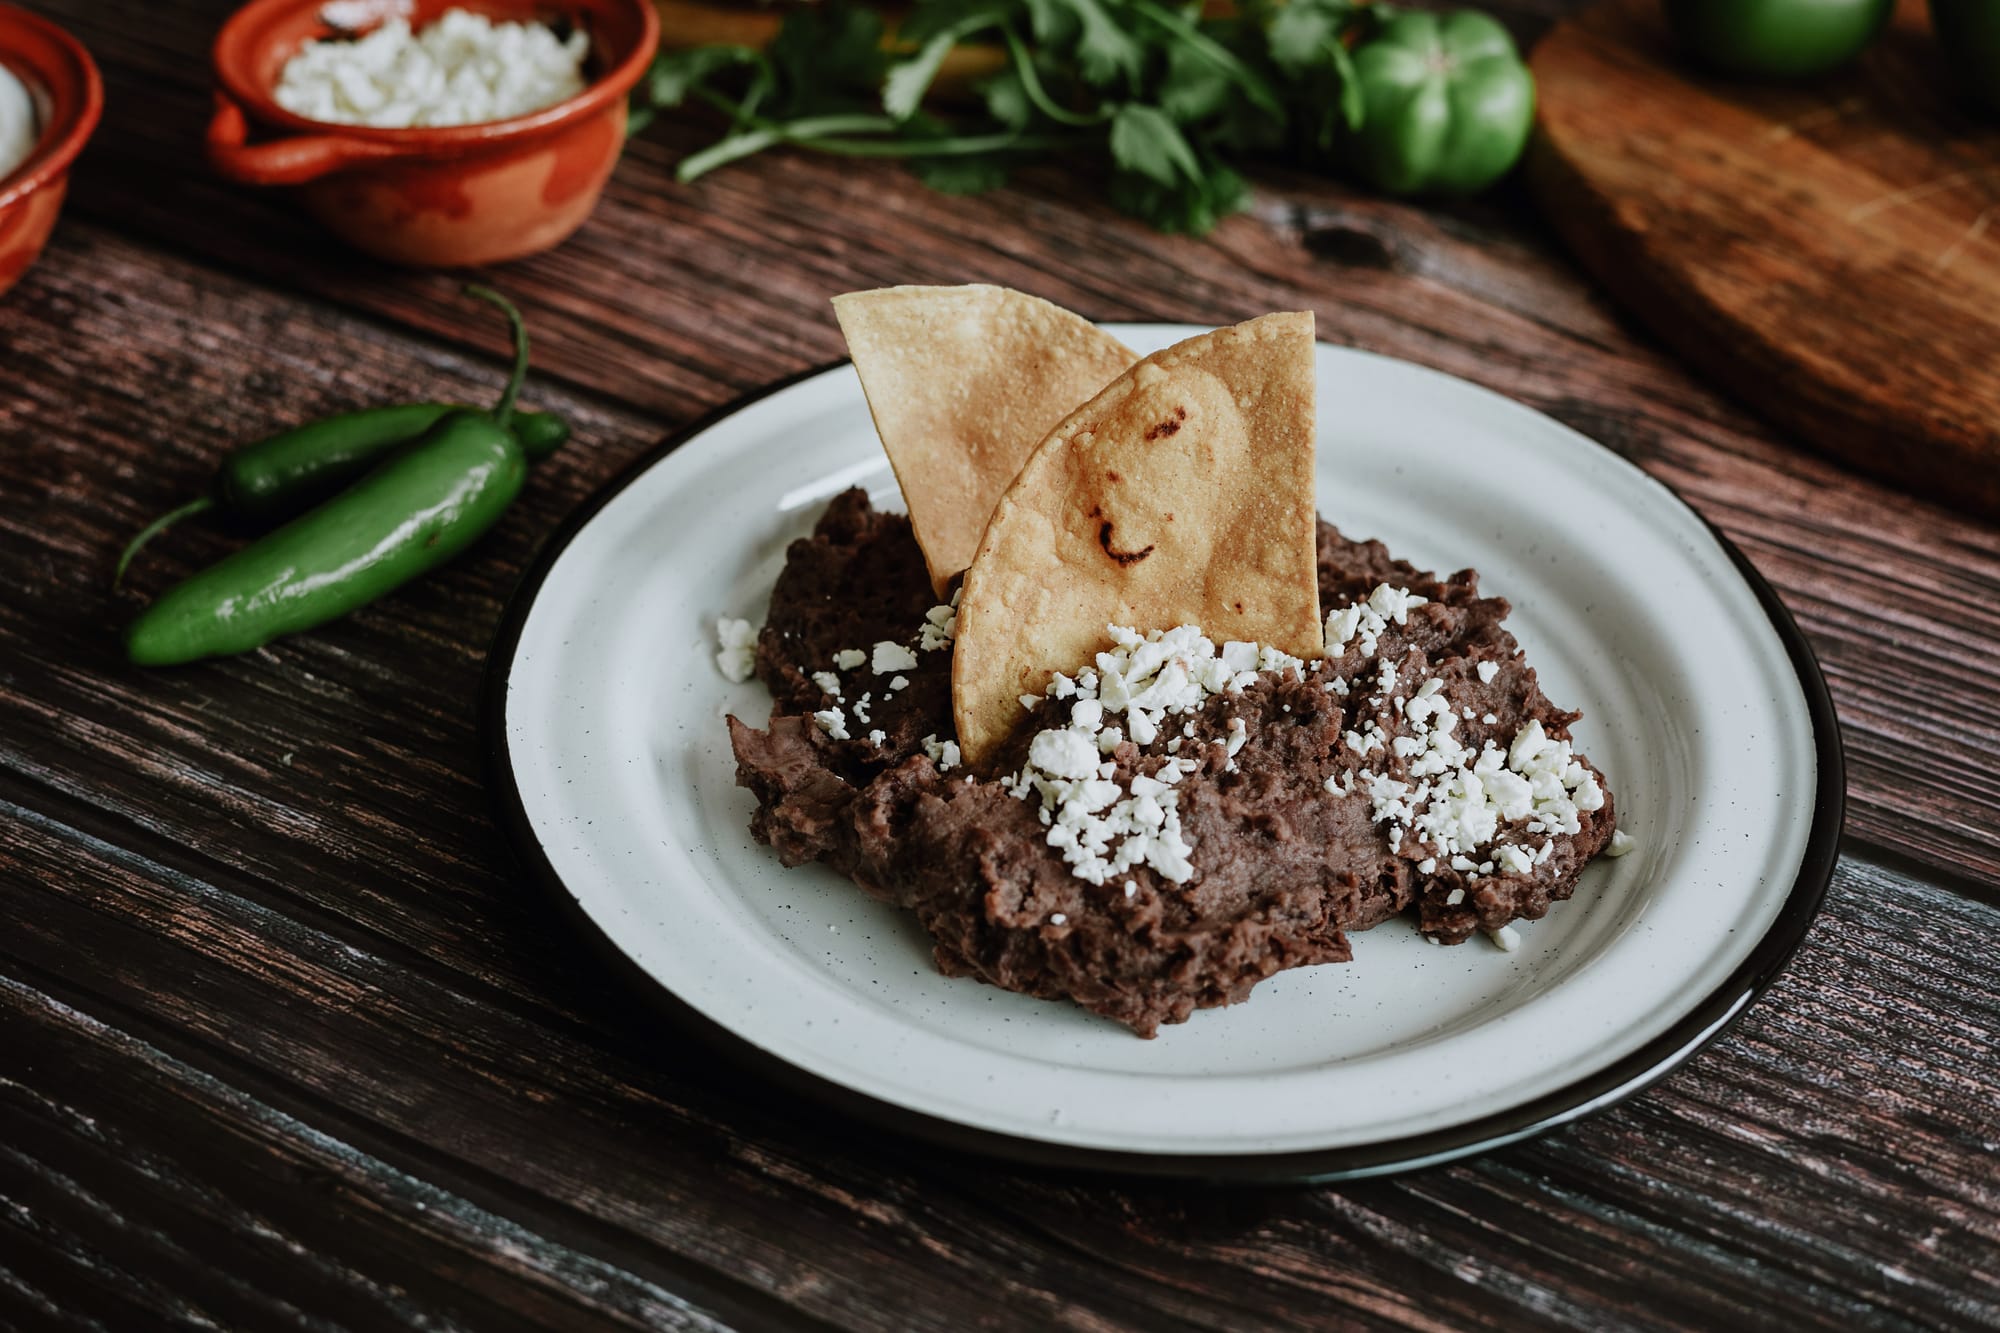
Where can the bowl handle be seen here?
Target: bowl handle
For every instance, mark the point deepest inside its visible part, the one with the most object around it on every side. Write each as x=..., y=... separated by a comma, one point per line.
x=287, y=161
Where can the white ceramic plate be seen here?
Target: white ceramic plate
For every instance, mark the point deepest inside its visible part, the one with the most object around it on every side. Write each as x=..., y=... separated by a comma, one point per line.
x=1702, y=704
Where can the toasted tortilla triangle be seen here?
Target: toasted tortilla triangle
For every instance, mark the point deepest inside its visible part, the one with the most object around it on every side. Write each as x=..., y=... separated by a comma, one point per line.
x=1182, y=494
x=963, y=383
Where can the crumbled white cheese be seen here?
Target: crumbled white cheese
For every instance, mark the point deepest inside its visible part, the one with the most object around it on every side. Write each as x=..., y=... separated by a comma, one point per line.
x=1506, y=937
x=1365, y=742
x=849, y=658
x=1456, y=801
x=737, y=658
x=1057, y=918
x=828, y=682
x=19, y=127
x=1367, y=620
x=943, y=753
x=1101, y=828
x=861, y=708
x=898, y=683
x=831, y=721
x=1487, y=671
x=890, y=657
x=1063, y=754
x=464, y=69
x=940, y=627
x=1621, y=843
x=875, y=738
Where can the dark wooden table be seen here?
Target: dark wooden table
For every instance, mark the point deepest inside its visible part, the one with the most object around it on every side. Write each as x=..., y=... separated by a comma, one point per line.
x=285, y=1040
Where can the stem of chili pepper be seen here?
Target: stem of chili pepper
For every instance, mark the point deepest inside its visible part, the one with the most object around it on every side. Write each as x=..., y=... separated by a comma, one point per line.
x=154, y=529
x=503, y=412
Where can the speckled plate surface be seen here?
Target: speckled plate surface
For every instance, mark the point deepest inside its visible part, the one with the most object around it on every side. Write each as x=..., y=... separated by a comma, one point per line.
x=1702, y=704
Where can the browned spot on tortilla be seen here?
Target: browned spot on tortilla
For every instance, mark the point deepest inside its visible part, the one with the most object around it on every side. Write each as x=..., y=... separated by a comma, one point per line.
x=1113, y=476
x=1169, y=426
x=1050, y=574
x=1122, y=557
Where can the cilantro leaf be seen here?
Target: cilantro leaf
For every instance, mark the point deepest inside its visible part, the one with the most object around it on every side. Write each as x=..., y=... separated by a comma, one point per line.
x=1299, y=34
x=828, y=57
x=1193, y=88
x=1105, y=53
x=907, y=81
x=1006, y=99
x=1351, y=105
x=1145, y=140
x=1053, y=22
x=1190, y=208
x=676, y=73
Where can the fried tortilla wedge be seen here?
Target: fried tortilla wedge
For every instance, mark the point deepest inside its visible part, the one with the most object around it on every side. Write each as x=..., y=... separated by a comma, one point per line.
x=963, y=383
x=1182, y=494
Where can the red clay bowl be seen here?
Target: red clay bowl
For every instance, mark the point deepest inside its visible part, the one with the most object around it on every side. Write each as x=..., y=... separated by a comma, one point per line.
x=450, y=197
x=68, y=97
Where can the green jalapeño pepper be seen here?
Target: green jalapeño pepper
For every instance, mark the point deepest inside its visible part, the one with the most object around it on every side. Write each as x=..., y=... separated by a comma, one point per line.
x=421, y=506
x=1446, y=104
x=1776, y=39
x=287, y=474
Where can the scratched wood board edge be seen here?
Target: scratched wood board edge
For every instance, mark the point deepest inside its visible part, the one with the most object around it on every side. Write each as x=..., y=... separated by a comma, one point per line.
x=1947, y=456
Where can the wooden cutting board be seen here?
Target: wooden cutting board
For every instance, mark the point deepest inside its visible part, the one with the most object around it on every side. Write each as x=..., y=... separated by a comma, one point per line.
x=1828, y=251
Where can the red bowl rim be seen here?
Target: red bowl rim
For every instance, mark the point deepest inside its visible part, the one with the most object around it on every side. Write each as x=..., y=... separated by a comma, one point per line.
x=230, y=53
x=60, y=140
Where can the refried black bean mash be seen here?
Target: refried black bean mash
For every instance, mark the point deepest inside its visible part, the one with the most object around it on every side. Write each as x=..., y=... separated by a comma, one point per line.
x=1269, y=811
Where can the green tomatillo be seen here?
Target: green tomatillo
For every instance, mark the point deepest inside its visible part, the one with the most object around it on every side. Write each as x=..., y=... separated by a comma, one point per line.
x=1776, y=39
x=1446, y=104
x=1968, y=31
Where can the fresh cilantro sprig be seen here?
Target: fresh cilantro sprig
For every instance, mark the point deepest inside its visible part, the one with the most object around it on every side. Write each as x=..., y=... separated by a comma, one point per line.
x=1168, y=98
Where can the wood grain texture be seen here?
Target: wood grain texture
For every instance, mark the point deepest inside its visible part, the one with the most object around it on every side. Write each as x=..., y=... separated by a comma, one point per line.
x=1775, y=1183
x=1826, y=249
x=285, y=1042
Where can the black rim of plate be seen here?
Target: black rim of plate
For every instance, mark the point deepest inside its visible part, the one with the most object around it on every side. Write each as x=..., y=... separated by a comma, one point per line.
x=1593, y=1092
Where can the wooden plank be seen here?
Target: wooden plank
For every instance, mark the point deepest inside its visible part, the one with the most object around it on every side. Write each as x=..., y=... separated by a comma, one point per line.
x=259, y=1220
x=1828, y=1163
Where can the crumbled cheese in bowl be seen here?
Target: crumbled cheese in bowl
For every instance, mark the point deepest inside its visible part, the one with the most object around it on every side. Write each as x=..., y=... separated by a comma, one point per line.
x=463, y=69
x=18, y=126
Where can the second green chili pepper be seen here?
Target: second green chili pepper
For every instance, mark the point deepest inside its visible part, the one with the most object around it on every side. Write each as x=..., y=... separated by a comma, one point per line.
x=290, y=472
x=414, y=511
